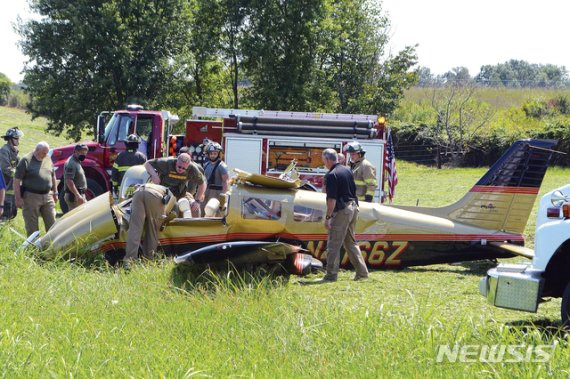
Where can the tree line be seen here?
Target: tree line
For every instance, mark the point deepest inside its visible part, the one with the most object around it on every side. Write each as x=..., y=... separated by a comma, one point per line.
x=305, y=55
x=511, y=74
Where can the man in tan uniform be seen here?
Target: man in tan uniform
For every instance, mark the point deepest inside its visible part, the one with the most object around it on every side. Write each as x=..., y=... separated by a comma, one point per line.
x=74, y=177
x=181, y=176
x=35, y=188
x=341, y=216
x=150, y=205
x=363, y=171
x=8, y=162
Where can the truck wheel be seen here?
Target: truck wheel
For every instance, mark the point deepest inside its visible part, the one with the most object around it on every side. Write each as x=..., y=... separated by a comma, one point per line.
x=94, y=189
x=565, y=306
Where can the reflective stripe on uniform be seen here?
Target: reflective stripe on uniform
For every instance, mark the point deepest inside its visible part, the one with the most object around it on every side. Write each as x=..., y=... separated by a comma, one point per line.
x=370, y=181
x=370, y=192
x=174, y=176
x=359, y=182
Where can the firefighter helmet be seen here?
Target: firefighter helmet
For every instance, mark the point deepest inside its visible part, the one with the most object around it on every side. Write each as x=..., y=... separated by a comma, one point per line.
x=133, y=138
x=213, y=147
x=354, y=147
x=13, y=133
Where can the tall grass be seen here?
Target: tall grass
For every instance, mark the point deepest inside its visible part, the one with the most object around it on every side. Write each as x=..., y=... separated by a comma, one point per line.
x=84, y=319
x=81, y=318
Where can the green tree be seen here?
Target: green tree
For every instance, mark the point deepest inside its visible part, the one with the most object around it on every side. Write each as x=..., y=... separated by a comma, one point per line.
x=85, y=56
x=327, y=55
x=364, y=77
x=5, y=85
x=280, y=47
x=518, y=73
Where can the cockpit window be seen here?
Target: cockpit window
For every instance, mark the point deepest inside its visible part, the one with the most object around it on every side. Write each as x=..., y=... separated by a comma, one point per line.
x=260, y=209
x=306, y=214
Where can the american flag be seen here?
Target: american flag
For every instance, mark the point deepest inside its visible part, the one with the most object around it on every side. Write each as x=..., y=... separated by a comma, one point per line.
x=390, y=166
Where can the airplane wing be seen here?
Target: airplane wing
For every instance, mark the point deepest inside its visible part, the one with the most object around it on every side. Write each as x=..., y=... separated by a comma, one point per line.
x=514, y=249
x=293, y=259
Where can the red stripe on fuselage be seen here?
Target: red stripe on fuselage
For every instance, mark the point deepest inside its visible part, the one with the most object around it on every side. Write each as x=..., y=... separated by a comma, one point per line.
x=323, y=237
x=499, y=189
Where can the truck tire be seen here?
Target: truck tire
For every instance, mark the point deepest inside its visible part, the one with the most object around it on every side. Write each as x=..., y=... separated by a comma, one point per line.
x=565, y=306
x=94, y=189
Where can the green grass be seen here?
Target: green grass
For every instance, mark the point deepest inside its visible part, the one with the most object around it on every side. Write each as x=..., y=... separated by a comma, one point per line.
x=83, y=319
x=34, y=131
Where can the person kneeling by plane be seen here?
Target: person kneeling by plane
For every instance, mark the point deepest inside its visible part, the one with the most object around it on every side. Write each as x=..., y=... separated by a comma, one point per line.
x=150, y=205
x=341, y=216
x=181, y=176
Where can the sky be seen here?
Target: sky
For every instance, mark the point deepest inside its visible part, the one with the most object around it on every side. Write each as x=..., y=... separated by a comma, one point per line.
x=449, y=33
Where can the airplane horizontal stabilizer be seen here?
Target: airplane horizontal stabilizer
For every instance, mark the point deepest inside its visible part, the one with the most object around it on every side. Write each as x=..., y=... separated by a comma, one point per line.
x=514, y=249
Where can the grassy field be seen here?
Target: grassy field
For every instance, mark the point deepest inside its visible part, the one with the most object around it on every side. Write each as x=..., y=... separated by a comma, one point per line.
x=35, y=131
x=84, y=319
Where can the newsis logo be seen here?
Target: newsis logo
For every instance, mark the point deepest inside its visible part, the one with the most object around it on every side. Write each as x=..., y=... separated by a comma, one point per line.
x=495, y=353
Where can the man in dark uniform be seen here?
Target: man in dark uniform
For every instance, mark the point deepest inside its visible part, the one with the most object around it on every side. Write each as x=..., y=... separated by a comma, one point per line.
x=341, y=216
x=181, y=176
x=126, y=159
x=151, y=203
x=216, y=172
x=35, y=188
x=8, y=162
x=75, y=181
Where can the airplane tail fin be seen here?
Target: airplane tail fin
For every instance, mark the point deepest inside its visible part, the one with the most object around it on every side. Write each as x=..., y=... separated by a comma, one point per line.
x=503, y=198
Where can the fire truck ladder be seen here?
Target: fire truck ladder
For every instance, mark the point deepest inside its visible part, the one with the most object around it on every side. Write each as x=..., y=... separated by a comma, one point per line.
x=199, y=112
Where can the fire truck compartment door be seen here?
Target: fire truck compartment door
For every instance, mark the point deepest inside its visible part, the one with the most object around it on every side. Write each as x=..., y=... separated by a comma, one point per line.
x=375, y=154
x=243, y=153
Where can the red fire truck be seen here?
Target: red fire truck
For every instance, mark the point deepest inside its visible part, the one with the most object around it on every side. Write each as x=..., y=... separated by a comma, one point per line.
x=265, y=142
x=254, y=140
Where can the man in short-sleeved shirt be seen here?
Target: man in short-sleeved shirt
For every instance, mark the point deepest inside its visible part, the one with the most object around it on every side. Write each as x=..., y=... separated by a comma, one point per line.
x=35, y=188
x=181, y=176
x=341, y=216
x=74, y=177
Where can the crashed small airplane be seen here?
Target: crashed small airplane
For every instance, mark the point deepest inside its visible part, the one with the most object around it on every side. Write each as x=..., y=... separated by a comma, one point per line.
x=270, y=221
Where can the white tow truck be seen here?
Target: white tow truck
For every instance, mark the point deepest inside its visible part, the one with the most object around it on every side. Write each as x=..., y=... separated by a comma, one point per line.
x=523, y=286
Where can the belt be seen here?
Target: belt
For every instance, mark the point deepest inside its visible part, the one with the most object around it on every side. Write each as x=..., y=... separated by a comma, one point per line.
x=80, y=190
x=215, y=187
x=37, y=192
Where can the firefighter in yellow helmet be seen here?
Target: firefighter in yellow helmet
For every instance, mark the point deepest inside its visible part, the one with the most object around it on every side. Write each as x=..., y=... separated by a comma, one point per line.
x=363, y=171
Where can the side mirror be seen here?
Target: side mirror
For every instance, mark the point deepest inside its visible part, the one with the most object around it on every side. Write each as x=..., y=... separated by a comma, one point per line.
x=100, y=128
x=558, y=198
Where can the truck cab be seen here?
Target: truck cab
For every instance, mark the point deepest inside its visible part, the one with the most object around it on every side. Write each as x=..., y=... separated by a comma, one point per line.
x=523, y=286
x=111, y=131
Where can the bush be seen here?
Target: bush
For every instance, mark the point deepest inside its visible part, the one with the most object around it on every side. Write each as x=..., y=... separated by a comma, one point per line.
x=17, y=99
x=535, y=109
x=558, y=129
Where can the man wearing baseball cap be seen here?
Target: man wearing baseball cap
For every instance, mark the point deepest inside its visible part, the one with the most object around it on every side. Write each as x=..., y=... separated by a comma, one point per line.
x=74, y=177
